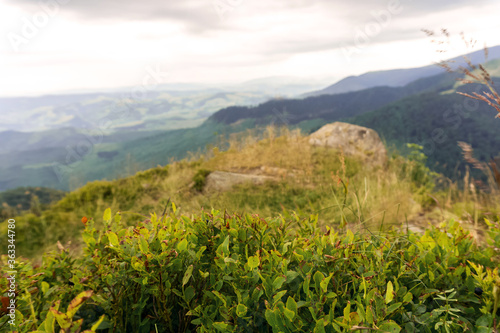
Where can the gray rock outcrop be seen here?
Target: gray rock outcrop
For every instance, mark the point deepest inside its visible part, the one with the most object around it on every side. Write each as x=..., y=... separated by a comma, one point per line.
x=218, y=181
x=353, y=140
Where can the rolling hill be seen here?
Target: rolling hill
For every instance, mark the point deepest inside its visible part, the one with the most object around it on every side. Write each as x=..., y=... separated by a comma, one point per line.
x=437, y=122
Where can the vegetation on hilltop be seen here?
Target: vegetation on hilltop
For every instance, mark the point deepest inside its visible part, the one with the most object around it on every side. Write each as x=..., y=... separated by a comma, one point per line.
x=311, y=183
x=35, y=199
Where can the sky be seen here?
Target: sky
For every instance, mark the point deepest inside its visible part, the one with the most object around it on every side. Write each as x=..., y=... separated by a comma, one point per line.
x=55, y=46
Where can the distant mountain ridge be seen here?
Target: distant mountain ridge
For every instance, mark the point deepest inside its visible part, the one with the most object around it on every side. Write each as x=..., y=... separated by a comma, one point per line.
x=437, y=122
x=398, y=77
x=330, y=107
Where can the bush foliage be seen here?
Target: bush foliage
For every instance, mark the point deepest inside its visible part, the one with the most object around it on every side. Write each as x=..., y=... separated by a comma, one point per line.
x=240, y=273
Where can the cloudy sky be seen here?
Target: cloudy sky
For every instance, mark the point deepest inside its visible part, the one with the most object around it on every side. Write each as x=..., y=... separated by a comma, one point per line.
x=52, y=46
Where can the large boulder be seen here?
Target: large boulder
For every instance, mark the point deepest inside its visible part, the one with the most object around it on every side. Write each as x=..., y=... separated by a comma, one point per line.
x=353, y=140
x=219, y=181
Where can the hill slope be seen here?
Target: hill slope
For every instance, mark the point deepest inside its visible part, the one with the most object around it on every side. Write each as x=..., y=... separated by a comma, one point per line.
x=437, y=122
x=330, y=107
x=303, y=183
x=398, y=77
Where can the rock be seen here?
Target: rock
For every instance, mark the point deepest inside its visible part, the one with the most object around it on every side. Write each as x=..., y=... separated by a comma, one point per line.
x=224, y=181
x=353, y=140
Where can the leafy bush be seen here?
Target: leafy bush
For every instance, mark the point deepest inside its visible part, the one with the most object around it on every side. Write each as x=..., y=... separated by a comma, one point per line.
x=421, y=176
x=224, y=273
x=200, y=178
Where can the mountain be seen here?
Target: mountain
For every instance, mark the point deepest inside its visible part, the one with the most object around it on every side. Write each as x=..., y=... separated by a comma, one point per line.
x=437, y=122
x=330, y=107
x=399, y=77
x=284, y=86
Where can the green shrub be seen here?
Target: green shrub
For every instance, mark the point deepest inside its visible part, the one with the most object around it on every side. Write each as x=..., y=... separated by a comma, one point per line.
x=200, y=179
x=242, y=273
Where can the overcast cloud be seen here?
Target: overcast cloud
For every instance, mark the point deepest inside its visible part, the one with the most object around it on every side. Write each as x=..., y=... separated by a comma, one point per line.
x=92, y=44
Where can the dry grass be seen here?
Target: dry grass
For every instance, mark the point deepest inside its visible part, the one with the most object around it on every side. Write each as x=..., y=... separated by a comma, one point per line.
x=312, y=181
x=280, y=148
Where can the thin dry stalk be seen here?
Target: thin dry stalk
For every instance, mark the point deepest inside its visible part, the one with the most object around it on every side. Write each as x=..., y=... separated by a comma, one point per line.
x=473, y=73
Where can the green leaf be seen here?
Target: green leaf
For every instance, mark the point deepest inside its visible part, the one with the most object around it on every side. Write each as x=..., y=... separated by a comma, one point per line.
x=187, y=275
x=305, y=285
x=241, y=310
x=182, y=245
x=289, y=314
x=482, y=329
x=204, y=274
x=318, y=277
x=77, y=302
x=45, y=287
x=113, y=239
x=369, y=315
x=291, y=305
x=393, y=307
x=231, y=260
x=361, y=311
x=320, y=326
x=408, y=297
x=324, y=283
x=271, y=319
x=88, y=239
x=49, y=322
x=390, y=327
x=219, y=325
x=189, y=293
x=485, y=320
x=62, y=318
x=220, y=296
x=144, y=246
x=107, y=215
x=402, y=291
x=199, y=254
x=118, y=218
x=278, y=282
x=97, y=323
x=290, y=275
x=253, y=262
x=350, y=235
x=224, y=247
x=389, y=293
x=347, y=312
x=278, y=296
